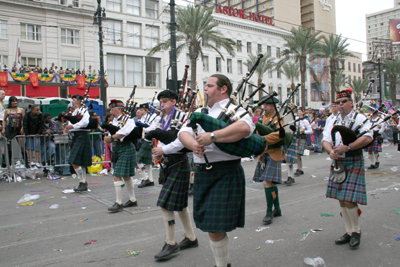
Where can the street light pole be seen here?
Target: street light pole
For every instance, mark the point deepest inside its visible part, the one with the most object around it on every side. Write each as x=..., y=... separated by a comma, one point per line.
x=380, y=83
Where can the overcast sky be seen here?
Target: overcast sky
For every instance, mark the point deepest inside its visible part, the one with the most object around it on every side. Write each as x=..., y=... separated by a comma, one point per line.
x=350, y=20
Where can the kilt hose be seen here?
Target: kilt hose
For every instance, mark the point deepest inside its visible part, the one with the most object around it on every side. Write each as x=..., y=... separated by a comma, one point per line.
x=174, y=193
x=271, y=173
x=144, y=154
x=374, y=147
x=219, y=200
x=353, y=189
x=126, y=163
x=291, y=152
x=301, y=145
x=81, y=151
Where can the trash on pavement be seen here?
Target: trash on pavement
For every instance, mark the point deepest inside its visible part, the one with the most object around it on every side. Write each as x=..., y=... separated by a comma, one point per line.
x=90, y=242
x=395, y=169
x=313, y=176
x=70, y=191
x=260, y=229
x=326, y=215
x=318, y=261
x=84, y=220
x=398, y=239
x=305, y=235
x=27, y=198
x=24, y=233
x=57, y=249
x=54, y=206
x=316, y=230
x=270, y=241
x=134, y=253
x=76, y=201
x=29, y=203
x=258, y=248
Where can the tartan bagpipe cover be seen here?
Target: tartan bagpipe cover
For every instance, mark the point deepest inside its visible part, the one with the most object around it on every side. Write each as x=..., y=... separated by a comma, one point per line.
x=246, y=147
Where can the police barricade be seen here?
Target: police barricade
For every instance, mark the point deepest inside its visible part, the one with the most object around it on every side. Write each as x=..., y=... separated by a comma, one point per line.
x=5, y=172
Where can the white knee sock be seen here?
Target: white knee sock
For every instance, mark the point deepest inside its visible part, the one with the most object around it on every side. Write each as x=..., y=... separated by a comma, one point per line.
x=191, y=181
x=372, y=158
x=220, y=250
x=118, y=191
x=143, y=169
x=290, y=171
x=299, y=162
x=149, y=172
x=376, y=156
x=169, y=221
x=347, y=220
x=81, y=173
x=353, y=215
x=184, y=215
x=130, y=187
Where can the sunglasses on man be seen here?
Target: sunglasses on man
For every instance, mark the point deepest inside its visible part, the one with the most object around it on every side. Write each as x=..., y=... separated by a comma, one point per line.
x=344, y=101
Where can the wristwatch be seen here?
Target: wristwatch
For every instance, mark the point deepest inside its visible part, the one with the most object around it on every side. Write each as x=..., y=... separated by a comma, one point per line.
x=348, y=147
x=213, y=139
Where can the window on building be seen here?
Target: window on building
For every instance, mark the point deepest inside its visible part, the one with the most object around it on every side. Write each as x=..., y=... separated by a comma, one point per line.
x=270, y=89
x=278, y=52
x=69, y=64
x=75, y=3
x=239, y=45
x=218, y=64
x=3, y=33
x=4, y=61
x=240, y=67
x=31, y=61
x=69, y=36
x=134, y=33
x=349, y=81
x=133, y=7
x=354, y=78
x=115, y=69
x=249, y=47
x=259, y=48
x=269, y=51
x=113, y=35
x=270, y=74
x=205, y=63
x=114, y=5
x=151, y=9
x=280, y=94
x=278, y=74
x=152, y=36
x=271, y=12
x=31, y=32
x=134, y=70
x=354, y=67
x=359, y=68
x=63, y=2
x=271, y=3
x=153, y=72
x=229, y=65
x=349, y=66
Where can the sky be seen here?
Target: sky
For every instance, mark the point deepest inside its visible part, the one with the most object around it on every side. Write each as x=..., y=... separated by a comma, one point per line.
x=350, y=20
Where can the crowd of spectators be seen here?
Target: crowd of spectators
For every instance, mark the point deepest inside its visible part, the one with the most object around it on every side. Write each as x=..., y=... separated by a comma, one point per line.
x=51, y=70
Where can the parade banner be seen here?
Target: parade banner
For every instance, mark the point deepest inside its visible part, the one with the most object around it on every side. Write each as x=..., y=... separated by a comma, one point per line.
x=34, y=79
x=46, y=77
x=94, y=91
x=81, y=84
x=12, y=89
x=68, y=79
x=3, y=78
x=19, y=77
x=42, y=91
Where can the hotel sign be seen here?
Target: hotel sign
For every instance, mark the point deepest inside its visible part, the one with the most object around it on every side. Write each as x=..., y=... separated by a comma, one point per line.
x=239, y=13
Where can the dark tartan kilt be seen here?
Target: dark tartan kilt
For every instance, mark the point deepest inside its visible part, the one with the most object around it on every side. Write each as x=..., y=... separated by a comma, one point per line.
x=219, y=200
x=81, y=151
x=353, y=189
x=191, y=162
x=301, y=145
x=126, y=163
x=291, y=152
x=272, y=172
x=374, y=147
x=144, y=153
x=174, y=193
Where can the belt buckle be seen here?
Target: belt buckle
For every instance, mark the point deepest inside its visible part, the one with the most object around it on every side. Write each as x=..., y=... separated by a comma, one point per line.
x=166, y=160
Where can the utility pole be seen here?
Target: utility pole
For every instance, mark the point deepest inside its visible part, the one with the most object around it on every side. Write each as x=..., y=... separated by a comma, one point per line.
x=99, y=15
x=173, y=85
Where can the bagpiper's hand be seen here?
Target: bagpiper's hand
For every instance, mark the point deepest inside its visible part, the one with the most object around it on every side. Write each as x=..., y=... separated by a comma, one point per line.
x=333, y=155
x=69, y=127
x=156, y=159
x=198, y=150
x=157, y=152
x=107, y=139
x=340, y=149
x=204, y=139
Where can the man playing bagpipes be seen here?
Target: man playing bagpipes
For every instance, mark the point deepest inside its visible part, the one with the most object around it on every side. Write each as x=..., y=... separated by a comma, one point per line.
x=347, y=178
x=144, y=157
x=175, y=170
x=123, y=156
x=219, y=187
x=80, y=156
x=376, y=146
x=268, y=168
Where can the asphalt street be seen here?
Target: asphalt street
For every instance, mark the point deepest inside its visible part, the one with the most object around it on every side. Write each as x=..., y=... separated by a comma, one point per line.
x=39, y=236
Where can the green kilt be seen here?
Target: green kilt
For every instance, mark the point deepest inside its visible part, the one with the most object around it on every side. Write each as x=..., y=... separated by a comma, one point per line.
x=126, y=163
x=353, y=189
x=271, y=173
x=144, y=153
x=219, y=200
x=174, y=193
x=301, y=145
x=81, y=151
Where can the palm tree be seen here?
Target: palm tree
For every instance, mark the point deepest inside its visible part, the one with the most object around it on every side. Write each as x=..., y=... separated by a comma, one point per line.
x=195, y=30
x=340, y=80
x=358, y=86
x=334, y=48
x=300, y=44
x=266, y=64
x=292, y=72
x=393, y=70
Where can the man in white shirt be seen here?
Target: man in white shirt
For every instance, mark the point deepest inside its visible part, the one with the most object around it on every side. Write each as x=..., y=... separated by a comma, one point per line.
x=125, y=156
x=2, y=108
x=376, y=146
x=219, y=192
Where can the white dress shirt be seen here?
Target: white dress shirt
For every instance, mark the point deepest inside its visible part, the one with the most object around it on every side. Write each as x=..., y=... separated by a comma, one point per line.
x=82, y=123
x=376, y=129
x=304, y=124
x=213, y=153
x=149, y=118
x=126, y=129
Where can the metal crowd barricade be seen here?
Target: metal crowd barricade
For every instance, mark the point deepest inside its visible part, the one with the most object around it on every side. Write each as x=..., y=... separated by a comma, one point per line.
x=5, y=171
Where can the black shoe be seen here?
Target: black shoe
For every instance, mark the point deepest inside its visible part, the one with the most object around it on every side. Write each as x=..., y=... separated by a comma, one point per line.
x=82, y=187
x=343, y=239
x=289, y=181
x=167, y=252
x=268, y=218
x=355, y=239
x=187, y=243
x=145, y=183
x=298, y=173
x=371, y=167
x=115, y=208
x=377, y=165
x=277, y=213
x=130, y=203
x=190, y=192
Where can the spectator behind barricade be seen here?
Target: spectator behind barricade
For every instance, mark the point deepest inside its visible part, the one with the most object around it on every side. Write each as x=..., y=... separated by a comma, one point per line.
x=61, y=147
x=33, y=125
x=321, y=112
x=47, y=141
x=107, y=147
x=314, y=126
x=46, y=71
x=84, y=72
x=2, y=140
x=318, y=134
x=257, y=114
x=61, y=71
x=78, y=72
x=95, y=138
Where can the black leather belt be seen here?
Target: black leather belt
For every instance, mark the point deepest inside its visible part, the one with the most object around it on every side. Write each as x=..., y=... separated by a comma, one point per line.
x=79, y=133
x=216, y=166
x=173, y=158
x=124, y=143
x=354, y=153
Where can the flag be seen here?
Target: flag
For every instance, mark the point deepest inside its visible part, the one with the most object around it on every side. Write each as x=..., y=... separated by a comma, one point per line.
x=81, y=81
x=34, y=79
x=3, y=78
x=18, y=56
